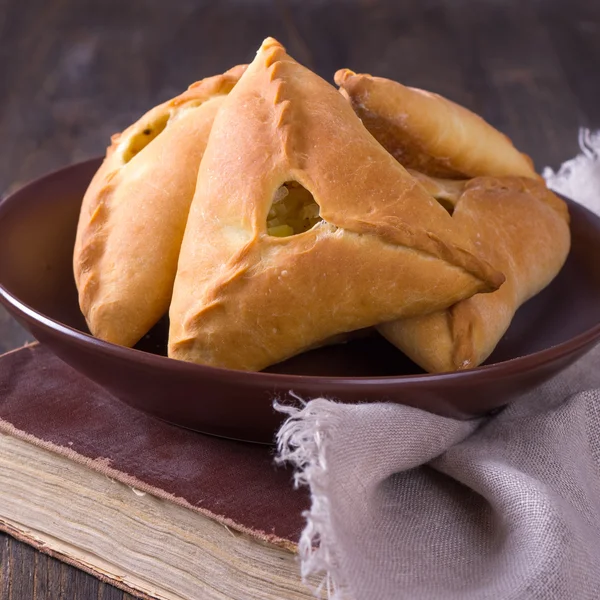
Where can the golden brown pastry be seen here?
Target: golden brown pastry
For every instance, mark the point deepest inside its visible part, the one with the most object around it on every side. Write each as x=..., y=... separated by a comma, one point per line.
x=429, y=133
x=303, y=227
x=518, y=225
x=134, y=212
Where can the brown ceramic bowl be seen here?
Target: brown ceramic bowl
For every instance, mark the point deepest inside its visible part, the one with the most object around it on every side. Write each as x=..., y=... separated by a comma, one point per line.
x=37, y=231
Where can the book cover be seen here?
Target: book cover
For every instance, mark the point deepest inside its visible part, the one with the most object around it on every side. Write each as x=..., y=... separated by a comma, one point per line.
x=62, y=437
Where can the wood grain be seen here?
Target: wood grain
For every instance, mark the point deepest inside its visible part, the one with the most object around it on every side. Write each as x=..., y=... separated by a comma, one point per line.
x=28, y=574
x=74, y=71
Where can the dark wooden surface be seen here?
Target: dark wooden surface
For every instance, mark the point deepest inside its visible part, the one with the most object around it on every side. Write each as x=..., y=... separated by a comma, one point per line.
x=26, y=573
x=74, y=71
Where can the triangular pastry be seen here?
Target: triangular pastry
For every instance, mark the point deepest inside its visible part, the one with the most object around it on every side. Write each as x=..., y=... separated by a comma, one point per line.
x=134, y=212
x=427, y=132
x=303, y=227
x=518, y=225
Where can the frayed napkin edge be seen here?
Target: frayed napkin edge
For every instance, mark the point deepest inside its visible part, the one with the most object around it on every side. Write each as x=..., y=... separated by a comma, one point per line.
x=579, y=177
x=303, y=438
x=302, y=442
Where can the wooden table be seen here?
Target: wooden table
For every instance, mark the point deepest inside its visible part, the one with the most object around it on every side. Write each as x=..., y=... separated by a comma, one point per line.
x=74, y=71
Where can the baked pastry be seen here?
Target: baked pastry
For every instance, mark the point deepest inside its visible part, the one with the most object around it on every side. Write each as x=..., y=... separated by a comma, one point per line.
x=134, y=212
x=429, y=133
x=519, y=226
x=303, y=227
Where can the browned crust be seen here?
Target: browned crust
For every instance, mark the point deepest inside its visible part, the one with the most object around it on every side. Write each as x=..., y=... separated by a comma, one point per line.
x=428, y=133
x=197, y=92
x=528, y=238
x=245, y=300
x=110, y=305
x=461, y=318
x=394, y=231
x=100, y=188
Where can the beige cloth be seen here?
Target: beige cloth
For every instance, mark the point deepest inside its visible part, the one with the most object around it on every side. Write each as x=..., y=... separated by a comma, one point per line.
x=409, y=505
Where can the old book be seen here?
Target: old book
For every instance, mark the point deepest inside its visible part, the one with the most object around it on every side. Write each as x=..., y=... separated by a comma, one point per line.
x=156, y=510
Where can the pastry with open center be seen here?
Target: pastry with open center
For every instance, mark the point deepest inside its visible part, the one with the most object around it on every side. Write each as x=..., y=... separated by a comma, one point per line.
x=134, y=213
x=518, y=225
x=303, y=227
x=515, y=222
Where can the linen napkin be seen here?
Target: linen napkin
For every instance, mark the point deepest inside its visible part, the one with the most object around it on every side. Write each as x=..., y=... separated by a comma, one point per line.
x=406, y=504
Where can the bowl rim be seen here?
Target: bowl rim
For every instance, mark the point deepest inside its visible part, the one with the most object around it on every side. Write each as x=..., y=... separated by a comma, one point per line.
x=513, y=366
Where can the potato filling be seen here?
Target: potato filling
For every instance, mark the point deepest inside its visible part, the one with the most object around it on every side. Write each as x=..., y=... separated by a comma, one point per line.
x=139, y=140
x=293, y=211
